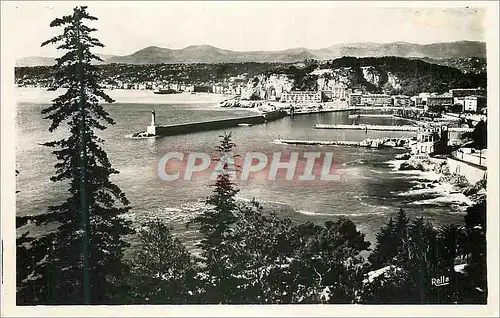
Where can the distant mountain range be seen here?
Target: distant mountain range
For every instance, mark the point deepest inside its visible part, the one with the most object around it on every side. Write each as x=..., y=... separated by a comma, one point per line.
x=211, y=54
x=47, y=61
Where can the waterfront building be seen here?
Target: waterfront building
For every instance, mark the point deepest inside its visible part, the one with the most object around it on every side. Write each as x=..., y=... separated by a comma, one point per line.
x=431, y=140
x=202, y=88
x=376, y=100
x=355, y=99
x=463, y=92
x=174, y=86
x=339, y=91
x=436, y=103
x=401, y=101
x=418, y=101
x=300, y=97
x=471, y=103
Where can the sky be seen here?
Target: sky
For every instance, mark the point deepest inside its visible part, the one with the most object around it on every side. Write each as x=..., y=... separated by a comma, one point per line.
x=126, y=27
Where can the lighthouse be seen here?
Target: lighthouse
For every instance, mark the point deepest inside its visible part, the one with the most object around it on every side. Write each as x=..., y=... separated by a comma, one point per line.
x=151, y=129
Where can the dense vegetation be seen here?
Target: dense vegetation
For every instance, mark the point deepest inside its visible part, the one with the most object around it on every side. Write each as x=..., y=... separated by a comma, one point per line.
x=465, y=64
x=414, y=75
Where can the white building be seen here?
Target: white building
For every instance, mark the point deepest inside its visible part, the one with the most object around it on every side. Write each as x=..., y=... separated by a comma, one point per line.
x=471, y=103
x=301, y=97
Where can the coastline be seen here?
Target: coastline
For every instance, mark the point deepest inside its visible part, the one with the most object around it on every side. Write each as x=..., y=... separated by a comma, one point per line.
x=38, y=95
x=436, y=178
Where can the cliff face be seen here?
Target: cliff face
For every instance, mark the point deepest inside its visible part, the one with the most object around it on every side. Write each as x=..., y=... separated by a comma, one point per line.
x=369, y=78
x=371, y=75
x=329, y=79
x=267, y=86
x=393, y=81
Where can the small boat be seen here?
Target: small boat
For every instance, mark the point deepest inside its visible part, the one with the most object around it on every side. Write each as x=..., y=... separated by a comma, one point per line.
x=244, y=125
x=143, y=134
x=165, y=91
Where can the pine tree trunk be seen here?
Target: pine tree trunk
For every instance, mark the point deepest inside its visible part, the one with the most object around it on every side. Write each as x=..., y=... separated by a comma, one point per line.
x=83, y=169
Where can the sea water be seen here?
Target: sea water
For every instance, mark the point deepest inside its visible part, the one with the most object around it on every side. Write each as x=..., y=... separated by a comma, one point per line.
x=371, y=192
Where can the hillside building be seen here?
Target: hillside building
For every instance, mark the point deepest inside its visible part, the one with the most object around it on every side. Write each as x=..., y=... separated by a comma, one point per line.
x=376, y=100
x=301, y=97
x=463, y=92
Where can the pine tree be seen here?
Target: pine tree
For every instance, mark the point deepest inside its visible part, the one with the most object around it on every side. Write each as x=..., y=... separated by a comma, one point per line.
x=402, y=239
x=215, y=227
x=162, y=271
x=385, y=248
x=80, y=262
x=475, y=249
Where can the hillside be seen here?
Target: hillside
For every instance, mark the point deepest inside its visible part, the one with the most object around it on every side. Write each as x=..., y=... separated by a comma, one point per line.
x=392, y=75
x=383, y=74
x=461, y=49
x=212, y=54
x=402, y=76
x=468, y=64
x=209, y=54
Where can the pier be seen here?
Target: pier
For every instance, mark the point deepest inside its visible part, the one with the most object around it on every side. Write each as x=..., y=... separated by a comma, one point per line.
x=186, y=128
x=299, y=111
x=372, y=115
x=381, y=128
x=366, y=127
x=318, y=142
x=367, y=143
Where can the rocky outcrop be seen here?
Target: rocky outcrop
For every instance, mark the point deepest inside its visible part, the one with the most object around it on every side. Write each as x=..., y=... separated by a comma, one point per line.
x=267, y=87
x=412, y=165
x=330, y=79
x=393, y=81
x=371, y=75
x=403, y=156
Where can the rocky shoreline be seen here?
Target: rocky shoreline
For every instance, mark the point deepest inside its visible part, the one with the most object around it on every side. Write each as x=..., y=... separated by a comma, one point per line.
x=474, y=192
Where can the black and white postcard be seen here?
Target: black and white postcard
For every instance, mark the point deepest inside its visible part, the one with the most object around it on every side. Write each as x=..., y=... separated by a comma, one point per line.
x=249, y=158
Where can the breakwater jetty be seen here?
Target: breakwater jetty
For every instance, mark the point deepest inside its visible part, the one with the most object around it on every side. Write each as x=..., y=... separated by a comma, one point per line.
x=367, y=143
x=381, y=128
x=372, y=115
x=366, y=127
x=305, y=111
x=317, y=142
x=154, y=130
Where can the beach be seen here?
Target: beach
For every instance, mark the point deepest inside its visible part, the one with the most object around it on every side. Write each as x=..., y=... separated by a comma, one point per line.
x=124, y=96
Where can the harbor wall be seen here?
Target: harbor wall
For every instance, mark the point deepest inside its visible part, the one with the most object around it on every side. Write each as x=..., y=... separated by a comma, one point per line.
x=472, y=172
x=179, y=129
